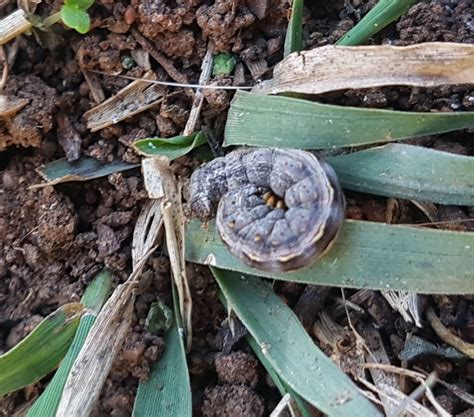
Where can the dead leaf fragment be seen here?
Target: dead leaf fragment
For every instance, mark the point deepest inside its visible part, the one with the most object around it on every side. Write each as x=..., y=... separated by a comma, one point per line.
x=331, y=68
x=135, y=98
x=160, y=182
x=11, y=105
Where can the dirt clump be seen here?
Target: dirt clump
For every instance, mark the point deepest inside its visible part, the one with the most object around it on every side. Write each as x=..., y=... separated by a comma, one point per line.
x=222, y=24
x=237, y=368
x=232, y=401
x=28, y=126
x=445, y=21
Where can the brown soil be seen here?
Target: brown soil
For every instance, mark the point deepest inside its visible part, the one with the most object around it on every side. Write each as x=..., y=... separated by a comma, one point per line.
x=54, y=240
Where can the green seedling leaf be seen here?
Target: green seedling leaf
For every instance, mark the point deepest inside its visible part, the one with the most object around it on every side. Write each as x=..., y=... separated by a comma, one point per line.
x=93, y=299
x=76, y=18
x=289, y=349
x=84, y=169
x=294, y=33
x=410, y=172
x=80, y=4
x=168, y=391
x=223, y=64
x=172, y=148
x=274, y=121
x=160, y=317
x=367, y=255
x=41, y=351
x=381, y=15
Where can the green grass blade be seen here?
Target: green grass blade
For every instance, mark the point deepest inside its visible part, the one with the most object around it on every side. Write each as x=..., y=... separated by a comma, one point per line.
x=380, y=16
x=47, y=403
x=172, y=148
x=98, y=291
x=93, y=299
x=84, y=169
x=411, y=172
x=289, y=349
x=294, y=33
x=41, y=351
x=168, y=392
x=365, y=255
x=275, y=121
x=280, y=385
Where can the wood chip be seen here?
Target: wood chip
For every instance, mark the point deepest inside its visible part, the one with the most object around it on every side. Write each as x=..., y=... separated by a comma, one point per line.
x=258, y=7
x=160, y=58
x=10, y=105
x=135, y=98
x=206, y=70
x=94, y=85
x=13, y=25
x=331, y=68
x=257, y=67
x=406, y=303
x=395, y=397
x=68, y=138
x=378, y=354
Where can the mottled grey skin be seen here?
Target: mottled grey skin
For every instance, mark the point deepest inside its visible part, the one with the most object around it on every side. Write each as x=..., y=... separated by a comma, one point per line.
x=272, y=239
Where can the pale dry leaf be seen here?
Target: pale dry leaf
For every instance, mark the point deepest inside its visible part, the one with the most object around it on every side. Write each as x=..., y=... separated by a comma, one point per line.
x=148, y=230
x=331, y=68
x=106, y=337
x=427, y=208
x=379, y=355
x=95, y=359
x=13, y=25
x=161, y=183
x=395, y=397
x=10, y=105
x=152, y=176
x=286, y=408
x=135, y=98
x=206, y=70
x=95, y=88
x=175, y=245
x=406, y=303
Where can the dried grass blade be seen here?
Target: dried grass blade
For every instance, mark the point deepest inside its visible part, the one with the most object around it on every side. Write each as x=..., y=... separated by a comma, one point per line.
x=95, y=359
x=395, y=397
x=275, y=121
x=331, y=68
x=378, y=354
x=108, y=333
x=156, y=170
x=148, y=230
x=365, y=255
x=136, y=97
x=13, y=25
x=406, y=303
x=206, y=70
